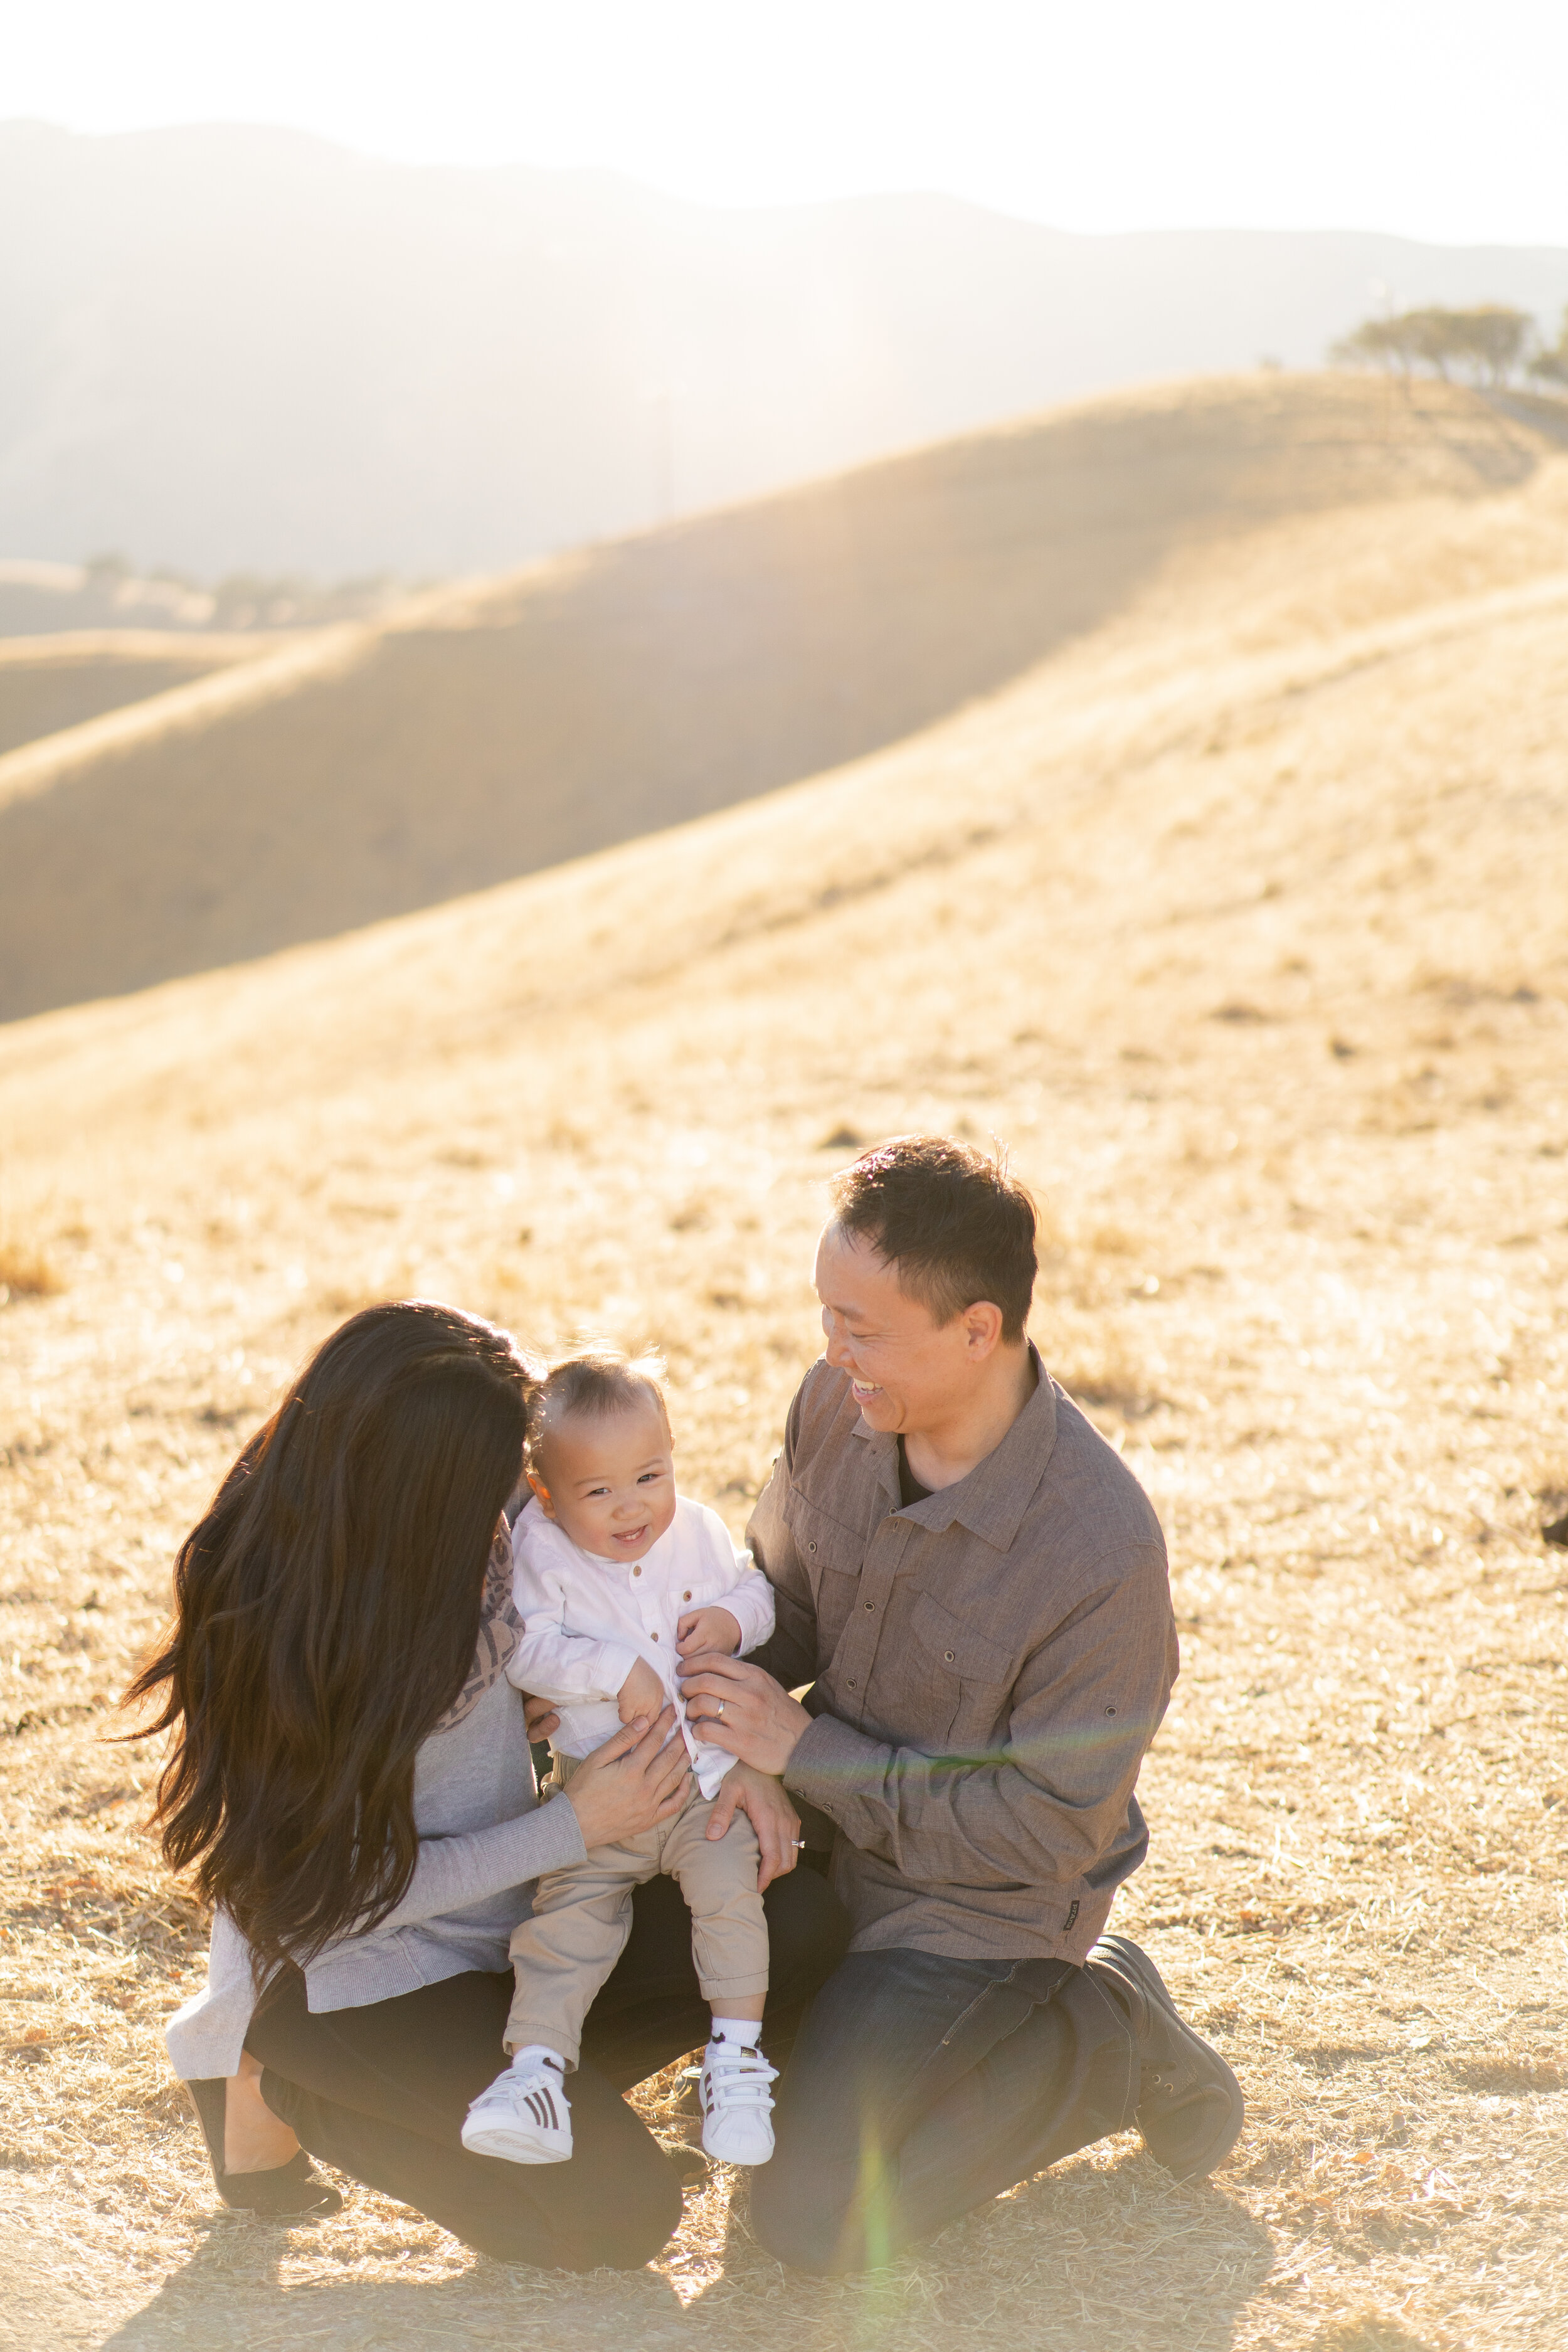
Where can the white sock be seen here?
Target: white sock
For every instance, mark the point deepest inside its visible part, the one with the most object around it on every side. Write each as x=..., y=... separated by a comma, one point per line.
x=532, y=2050
x=742, y=2030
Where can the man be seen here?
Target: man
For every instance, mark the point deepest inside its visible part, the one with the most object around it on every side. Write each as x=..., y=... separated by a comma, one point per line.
x=974, y=1586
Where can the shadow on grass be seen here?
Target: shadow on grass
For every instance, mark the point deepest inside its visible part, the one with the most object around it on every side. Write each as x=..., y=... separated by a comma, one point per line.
x=245, y=2304
x=1090, y=2254
x=235, y=2293
x=1118, y=2253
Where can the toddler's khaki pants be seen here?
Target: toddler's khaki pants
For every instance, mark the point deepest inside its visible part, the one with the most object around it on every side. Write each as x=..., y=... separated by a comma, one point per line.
x=582, y=1916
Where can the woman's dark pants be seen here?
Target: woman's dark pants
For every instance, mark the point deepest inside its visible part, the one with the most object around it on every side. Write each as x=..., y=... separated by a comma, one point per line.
x=381, y=2092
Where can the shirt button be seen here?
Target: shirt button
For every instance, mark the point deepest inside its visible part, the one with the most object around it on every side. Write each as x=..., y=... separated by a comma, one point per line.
x=653, y=1637
x=811, y=1547
x=686, y=1596
x=637, y=1571
x=851, y=1682
x=870, y=1604
x=946, y=1653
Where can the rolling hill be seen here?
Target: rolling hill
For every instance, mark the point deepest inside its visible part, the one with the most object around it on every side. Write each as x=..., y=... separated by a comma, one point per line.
x=498, y=726
x=229, y=348
x=51, y=683
x=1237, y=918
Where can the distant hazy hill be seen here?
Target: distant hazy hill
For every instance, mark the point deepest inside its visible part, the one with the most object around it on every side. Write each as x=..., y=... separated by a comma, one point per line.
x=41, y=599
x=51, y=683
x=235, y=348
x=481, y=732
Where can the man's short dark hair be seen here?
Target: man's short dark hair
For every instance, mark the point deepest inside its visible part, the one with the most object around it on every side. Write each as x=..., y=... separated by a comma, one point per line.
x=953, y=1223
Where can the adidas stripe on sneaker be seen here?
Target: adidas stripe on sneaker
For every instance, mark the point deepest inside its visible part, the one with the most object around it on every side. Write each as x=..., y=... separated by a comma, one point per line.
x=525, y=2116
x=737, y=2105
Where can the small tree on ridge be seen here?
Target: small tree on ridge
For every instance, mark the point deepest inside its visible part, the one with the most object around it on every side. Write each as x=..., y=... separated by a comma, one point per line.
x=1486, y=343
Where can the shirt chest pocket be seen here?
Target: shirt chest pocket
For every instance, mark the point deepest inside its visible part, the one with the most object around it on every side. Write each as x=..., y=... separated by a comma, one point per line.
x=832, y=1556
x=964, y=1679
x=698, y=1585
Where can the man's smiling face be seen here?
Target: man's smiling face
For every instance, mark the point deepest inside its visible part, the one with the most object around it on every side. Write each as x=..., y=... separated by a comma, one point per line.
x=908, y=1372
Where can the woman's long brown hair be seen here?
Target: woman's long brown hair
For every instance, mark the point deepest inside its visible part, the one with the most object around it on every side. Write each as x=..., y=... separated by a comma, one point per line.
x=326, y=1613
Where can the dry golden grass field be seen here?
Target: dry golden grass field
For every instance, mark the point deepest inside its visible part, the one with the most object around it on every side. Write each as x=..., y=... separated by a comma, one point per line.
x=1242, y=919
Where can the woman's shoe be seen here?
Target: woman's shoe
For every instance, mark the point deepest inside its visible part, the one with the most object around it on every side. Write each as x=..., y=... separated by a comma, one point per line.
x=295, y=2189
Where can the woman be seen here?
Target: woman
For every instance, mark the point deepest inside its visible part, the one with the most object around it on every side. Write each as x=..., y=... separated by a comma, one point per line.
x=351, y=1778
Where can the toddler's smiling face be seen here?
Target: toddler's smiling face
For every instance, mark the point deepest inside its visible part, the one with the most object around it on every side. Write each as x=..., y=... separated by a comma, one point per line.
x=609, y=1479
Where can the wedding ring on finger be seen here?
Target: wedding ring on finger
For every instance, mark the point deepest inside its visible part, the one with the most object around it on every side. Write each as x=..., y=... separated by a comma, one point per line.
x=721, y=1706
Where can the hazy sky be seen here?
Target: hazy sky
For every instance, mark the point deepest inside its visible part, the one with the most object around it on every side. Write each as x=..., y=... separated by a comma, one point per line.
x=1441, y=119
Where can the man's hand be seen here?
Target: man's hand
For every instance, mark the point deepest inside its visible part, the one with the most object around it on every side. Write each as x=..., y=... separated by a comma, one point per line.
x=540, y=1717
x=641, y=1695
x=714, y=1628
x=742, y=1709
x=771, y=1814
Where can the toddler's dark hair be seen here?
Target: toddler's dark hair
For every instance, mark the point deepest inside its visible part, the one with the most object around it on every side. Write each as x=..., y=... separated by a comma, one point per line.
x=596, y=1385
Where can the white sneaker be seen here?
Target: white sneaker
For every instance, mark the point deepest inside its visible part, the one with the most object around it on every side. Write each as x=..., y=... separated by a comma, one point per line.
x=525, y=2115
x=737, y=2105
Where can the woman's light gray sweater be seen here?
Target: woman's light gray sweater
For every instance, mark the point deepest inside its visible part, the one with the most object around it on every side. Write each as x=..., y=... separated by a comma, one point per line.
x=484, y=1838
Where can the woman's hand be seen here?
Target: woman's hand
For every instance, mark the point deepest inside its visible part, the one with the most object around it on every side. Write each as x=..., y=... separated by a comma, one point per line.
x=630, y=1784
x=744, y=1709
x=771, y=1814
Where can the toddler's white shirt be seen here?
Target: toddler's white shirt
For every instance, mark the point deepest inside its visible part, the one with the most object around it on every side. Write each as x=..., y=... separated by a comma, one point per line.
x=586, y=1621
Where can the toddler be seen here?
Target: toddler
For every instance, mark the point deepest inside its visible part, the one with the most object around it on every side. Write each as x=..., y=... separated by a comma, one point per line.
x=616, y=1575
